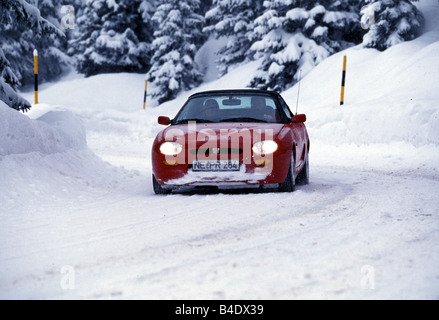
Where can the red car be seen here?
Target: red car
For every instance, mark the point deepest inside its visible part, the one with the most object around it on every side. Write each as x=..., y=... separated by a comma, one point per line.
x=231, y=139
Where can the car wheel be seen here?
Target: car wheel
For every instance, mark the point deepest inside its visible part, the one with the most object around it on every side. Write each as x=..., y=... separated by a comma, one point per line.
x=289, y=185
x=158, y=189
x=303, y=176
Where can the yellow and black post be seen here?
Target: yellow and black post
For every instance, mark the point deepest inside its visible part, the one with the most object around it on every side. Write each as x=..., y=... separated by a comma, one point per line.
x=343, y=81
x=144, y=96
x=36, y=74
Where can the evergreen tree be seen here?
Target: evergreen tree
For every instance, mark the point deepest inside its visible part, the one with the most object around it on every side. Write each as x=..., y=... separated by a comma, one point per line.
x=113, y=36
x=13, y=12
x=178, y=37
x=9, y=84
x=393, y=21
x=293, y=35
x=234, y=20
x=52, y=51
x=19, y=43
x=147, y=9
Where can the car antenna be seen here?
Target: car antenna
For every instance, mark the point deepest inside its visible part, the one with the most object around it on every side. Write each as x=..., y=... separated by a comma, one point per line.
x=298, y=90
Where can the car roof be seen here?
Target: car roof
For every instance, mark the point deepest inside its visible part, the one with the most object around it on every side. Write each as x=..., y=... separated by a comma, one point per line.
x=233, y=92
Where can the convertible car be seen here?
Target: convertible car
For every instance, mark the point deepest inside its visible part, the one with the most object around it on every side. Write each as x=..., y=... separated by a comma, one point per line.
x=231, y=139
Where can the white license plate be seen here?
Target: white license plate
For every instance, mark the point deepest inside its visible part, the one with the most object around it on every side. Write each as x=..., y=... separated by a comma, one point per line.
x=215, y=165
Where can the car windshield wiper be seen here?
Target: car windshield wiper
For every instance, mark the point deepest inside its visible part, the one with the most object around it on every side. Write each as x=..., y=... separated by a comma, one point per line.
x=184, y=121
x=242, y=119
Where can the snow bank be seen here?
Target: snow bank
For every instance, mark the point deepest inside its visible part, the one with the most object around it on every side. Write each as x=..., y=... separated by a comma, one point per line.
x=55, y=131
x=49, y=156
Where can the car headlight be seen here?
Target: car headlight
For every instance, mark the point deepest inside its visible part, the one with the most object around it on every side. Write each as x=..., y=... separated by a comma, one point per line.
x=170, y=148
x=265, y=147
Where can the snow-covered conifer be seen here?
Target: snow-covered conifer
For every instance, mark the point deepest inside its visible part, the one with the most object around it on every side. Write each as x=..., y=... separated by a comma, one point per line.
x=19, y=42
x=53, y=58
x=113, y=36
x=12, y=14
x=393, y=21
x=20, y=11
x=177, y=38
x=293, y=35
x=234, y=20
x=8, y=86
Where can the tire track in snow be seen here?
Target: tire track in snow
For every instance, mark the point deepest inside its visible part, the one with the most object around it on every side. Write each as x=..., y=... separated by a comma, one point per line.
x=311, y=243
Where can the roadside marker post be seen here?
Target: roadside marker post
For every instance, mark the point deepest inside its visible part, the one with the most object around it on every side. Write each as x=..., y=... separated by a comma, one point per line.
x=343, y=80
x=144, y=96
x=36, y=74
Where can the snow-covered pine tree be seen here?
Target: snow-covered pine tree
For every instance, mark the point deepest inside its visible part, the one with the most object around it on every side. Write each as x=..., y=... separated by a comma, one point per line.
x=9, y=83
x=293, y=35
x=113, y=37
x=147, y=9
x=52, y=51
x=395, y=21
x=343, y=22
x=234, y=20
x=177, y=38
x=18, y=12
x=19, y=43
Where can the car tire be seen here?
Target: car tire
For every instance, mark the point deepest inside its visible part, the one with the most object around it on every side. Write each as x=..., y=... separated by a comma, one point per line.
x=289, y=185
x=303, y=176
x=158, y=189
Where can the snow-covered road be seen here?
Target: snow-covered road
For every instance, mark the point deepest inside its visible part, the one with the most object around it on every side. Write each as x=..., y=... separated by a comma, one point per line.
x=348, y=234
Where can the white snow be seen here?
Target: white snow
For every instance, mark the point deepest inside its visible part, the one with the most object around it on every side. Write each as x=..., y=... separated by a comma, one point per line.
x=300, y=13
x=80, y=220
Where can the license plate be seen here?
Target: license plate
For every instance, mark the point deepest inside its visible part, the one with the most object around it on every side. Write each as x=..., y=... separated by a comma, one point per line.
x=215, y=165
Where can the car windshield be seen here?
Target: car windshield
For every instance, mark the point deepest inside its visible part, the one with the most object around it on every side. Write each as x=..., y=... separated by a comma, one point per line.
x=229, y=108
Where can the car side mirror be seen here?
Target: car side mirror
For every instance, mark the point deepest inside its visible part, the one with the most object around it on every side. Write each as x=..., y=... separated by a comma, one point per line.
x=299, y=118
x=165, y=121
